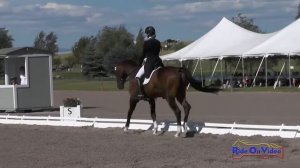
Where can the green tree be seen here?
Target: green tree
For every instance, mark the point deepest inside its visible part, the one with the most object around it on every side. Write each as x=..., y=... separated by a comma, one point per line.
x=115, y=44
x=51, y=43
x=79, y=48
x=247, y=23
x=5, y=38
x=46, y=42
x=139, y=42
x=39, y=41
x=56, y=62
x=5, y=42
x=92, y=62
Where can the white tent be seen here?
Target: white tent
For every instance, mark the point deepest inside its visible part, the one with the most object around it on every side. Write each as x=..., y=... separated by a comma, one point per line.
x=225, y=39
x=178, y=54
x=285, y=42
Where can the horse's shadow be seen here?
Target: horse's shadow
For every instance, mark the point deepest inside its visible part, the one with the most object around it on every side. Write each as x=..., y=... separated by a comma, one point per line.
x=193, y=128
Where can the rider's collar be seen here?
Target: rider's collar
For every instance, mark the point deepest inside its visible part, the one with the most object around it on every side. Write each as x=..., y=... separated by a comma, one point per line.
x=150, y=37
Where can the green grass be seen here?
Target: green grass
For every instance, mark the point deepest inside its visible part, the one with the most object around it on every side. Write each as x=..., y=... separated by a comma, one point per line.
x=89, y=85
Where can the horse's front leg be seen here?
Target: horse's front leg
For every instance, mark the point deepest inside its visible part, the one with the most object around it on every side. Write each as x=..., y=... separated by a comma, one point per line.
x=153, y=115
x=132, y=104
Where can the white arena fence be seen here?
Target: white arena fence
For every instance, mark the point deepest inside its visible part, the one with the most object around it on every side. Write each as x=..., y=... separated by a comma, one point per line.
x=283, y=131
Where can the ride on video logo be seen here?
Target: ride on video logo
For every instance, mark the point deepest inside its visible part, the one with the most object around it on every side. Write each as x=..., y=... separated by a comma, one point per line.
x=241, y=148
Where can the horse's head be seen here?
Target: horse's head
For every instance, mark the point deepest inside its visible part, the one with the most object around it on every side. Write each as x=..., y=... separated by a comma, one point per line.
x=123, y=70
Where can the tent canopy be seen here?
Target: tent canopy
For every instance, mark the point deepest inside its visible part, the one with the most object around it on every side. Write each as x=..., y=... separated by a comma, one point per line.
x=225, y=39
x=286, y=41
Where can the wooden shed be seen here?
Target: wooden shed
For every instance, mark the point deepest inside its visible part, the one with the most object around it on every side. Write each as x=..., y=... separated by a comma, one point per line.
x=28, y=82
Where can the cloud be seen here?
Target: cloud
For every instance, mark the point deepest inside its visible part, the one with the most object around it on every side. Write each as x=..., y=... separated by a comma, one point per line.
x=189, y=10
x=66, y=9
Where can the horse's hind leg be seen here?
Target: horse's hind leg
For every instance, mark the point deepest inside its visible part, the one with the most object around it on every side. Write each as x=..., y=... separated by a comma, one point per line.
x=153, y=115
x=187, y=108
x=176, y=110
x=132, y=104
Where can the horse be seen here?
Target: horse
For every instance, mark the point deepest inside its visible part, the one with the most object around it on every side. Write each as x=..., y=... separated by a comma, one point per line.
x=169, y=83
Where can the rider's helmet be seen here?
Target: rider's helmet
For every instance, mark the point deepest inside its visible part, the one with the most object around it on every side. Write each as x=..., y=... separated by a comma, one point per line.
x=150, y=31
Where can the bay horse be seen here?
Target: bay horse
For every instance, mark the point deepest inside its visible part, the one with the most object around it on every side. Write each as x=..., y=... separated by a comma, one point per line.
x=169, y=83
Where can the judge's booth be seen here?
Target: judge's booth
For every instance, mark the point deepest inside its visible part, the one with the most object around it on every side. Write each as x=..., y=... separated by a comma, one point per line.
x=25, y=79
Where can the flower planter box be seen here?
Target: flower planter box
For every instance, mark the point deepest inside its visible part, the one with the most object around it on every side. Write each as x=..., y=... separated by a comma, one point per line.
x=71, y=112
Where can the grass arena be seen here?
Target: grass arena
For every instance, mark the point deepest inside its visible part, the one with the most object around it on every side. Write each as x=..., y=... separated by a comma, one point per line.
x=48, y=146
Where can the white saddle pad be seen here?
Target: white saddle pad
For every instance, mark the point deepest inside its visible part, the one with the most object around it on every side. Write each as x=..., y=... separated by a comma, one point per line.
x=146, y=80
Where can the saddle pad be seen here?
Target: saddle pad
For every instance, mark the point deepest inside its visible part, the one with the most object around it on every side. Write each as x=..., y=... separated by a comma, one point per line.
x=146, y=80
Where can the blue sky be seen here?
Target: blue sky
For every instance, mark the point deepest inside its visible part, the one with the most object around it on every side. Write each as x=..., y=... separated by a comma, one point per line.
x=175, y=19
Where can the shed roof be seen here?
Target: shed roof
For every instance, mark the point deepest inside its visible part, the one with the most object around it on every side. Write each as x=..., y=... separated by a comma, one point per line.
x=18, y=51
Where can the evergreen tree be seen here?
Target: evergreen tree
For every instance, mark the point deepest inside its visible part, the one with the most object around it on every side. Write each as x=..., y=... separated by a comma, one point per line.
x=92, y=62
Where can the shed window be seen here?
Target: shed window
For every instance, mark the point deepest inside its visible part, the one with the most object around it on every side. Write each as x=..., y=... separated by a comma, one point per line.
x=15, y=71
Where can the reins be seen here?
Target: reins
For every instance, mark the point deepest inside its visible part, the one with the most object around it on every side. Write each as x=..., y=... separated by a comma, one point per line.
x=130, y=73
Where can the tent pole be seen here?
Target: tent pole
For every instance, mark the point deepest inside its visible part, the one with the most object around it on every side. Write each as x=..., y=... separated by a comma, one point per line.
x=222, y=78
x=253, y=83
x=290, y=82
x=243, y=69
x=275, y=84
x=202, y=79
x=193, y=72
x=235, y=71
x=214, y=70
x=266, y=71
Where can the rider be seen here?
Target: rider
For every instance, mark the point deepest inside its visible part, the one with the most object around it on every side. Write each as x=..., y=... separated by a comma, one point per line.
x=150, y=56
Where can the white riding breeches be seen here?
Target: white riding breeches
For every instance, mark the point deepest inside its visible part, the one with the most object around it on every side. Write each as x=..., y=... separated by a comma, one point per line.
x=140, y=72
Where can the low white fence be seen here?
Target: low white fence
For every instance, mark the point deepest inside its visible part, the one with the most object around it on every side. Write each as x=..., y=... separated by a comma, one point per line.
x=283, y=131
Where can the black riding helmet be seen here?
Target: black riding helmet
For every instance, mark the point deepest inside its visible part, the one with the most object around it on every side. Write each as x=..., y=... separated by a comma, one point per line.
x=150, y=31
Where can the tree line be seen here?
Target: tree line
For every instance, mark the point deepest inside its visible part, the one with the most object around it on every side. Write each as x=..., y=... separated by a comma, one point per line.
x=98, y=54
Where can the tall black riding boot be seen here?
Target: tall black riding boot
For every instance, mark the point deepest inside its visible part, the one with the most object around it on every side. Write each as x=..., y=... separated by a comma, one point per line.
x=140, y=94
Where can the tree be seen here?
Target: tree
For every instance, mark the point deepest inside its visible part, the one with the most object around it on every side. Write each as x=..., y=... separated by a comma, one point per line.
x=5, y=38
x=298, y=14
x=5, y=42
x=51, y=43
x=245, y=22
x=39, y=41
x=92, y=63
x=79, y=48
x=46, y=42
x=115, y=44
x=139, y=42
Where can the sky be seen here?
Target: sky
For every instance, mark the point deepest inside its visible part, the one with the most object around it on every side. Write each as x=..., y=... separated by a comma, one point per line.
x=185, y=20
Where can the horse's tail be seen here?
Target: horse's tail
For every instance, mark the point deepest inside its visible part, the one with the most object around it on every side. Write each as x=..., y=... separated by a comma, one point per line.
x=196, y=84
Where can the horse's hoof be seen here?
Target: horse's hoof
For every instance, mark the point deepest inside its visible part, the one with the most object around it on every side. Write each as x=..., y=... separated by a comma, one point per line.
x=125, y=129
x=177, y=135
x=155, y=132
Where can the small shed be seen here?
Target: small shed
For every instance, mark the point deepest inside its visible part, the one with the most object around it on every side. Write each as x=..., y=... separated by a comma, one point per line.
x=27, y=82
